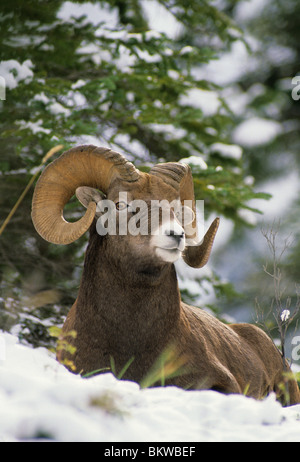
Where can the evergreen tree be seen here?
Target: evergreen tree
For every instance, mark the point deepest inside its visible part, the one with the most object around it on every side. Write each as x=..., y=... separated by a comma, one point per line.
x=105, y=78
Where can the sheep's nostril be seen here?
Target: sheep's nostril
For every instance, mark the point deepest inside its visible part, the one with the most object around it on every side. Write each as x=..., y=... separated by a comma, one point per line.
x=177, y=236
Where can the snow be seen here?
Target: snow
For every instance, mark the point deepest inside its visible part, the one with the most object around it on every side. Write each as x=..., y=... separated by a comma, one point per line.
x=57, y=109
x=186, y=50
x=35, y=127
x=95, y=14
x=256, y=132
x=42, y=98
x=279, y=55
x=232, y=65
x=13, y=72
x=39, y=398
x=80, y=83
x=207, y=101
x=188, y=279
x=72, y=99
x=284, y=192
x=195, y=161
x=247, y=10
x=285, y=315
x=169, y=130
x=161, y=19
x=230, y=151
x=125, y=61
x=147, y=57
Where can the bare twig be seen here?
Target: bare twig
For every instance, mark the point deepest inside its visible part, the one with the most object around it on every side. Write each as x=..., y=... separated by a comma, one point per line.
x=281, y=306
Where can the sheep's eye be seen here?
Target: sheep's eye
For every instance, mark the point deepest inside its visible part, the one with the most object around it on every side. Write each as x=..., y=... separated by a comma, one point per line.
x=121, y=205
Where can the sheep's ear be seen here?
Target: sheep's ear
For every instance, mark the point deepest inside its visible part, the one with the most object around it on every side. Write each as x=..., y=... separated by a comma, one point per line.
x=85, y=195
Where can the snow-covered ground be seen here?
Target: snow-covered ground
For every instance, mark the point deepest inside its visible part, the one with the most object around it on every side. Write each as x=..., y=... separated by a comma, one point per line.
x=40, y=399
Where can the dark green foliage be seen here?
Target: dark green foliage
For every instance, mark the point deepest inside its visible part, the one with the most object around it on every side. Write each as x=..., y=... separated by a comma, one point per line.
x=121, y=85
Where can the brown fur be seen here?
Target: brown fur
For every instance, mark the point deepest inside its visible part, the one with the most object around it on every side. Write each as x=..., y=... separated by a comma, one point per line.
x=129, y=306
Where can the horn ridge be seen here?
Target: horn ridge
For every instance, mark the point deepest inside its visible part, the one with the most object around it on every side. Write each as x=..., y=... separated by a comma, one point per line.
x=84, y=165
x=171, y=172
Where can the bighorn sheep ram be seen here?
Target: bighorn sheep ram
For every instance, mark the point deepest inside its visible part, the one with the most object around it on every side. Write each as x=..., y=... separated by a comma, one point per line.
x=129, y=305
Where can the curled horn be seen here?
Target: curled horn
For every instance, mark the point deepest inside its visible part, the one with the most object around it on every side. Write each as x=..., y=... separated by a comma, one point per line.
x=81, y=166
x=180, y=177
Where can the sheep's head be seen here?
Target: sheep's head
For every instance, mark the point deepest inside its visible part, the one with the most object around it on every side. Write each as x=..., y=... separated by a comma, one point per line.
x=149, y=208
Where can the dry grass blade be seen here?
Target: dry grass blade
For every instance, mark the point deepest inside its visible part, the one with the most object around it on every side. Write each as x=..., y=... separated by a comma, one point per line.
x=17, y=204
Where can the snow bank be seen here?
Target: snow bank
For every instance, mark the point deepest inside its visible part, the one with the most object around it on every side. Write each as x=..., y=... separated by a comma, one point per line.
x=40, y=399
